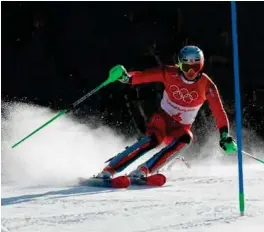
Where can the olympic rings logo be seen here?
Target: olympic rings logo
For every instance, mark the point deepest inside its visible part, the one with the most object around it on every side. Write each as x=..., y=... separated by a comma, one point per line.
x=183, y=94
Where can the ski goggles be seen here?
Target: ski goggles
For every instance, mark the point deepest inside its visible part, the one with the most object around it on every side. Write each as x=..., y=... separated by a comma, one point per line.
x=196, y=67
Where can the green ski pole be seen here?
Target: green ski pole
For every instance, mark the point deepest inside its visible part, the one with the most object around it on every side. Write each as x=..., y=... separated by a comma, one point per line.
x=62, y=112
x=114, y=75
x=253, y=157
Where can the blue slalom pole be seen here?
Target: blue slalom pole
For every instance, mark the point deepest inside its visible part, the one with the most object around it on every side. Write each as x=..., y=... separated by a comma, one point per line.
x=238, y=107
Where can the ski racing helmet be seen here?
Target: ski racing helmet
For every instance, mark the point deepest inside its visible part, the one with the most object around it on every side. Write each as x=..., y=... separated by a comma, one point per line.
x=191, y=61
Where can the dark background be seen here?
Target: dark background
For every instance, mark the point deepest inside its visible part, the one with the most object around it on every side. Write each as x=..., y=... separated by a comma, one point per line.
x=55, y=52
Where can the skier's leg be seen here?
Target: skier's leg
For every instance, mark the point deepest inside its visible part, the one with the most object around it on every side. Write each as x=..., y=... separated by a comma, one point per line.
x=154, y=136
x=129, y=155
x=178, y=137
x=169, y=152
x=162, y=157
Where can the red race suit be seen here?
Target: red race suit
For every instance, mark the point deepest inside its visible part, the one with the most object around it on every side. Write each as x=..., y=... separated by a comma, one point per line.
x=181, y=101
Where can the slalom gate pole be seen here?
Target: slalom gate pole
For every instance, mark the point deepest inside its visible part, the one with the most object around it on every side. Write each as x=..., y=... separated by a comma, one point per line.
x=238, y=107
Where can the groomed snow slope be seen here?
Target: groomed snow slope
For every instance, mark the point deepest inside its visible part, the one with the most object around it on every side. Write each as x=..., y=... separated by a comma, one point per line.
x=39, y=177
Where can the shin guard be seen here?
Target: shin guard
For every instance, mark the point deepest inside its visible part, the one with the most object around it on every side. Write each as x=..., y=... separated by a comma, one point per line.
x=132, y=153
x=166, y=154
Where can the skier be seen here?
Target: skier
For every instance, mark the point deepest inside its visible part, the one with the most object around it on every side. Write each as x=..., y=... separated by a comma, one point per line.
x=186, y=88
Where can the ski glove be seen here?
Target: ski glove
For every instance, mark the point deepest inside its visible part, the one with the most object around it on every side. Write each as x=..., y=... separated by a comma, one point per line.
x=119, y=73
x=227, y=143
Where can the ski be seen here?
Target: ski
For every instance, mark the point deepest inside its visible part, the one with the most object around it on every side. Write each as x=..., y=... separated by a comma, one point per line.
x=117, y=182
x=123, y=181
x=153, y=180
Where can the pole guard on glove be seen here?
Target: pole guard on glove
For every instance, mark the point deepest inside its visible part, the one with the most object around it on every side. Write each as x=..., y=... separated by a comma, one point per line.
x=119, y=73
x=227, y=143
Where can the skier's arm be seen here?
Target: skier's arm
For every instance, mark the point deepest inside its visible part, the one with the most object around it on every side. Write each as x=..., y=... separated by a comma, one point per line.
x=119, y=73
x=217, y=108
x=227, y=143
x=147, y=76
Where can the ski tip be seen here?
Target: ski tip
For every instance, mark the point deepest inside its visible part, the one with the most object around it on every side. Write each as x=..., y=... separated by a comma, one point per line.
x=157, y=180
x=121, y=182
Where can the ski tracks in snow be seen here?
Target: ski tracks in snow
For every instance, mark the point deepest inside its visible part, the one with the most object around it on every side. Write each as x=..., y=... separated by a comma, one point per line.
x=188, y=202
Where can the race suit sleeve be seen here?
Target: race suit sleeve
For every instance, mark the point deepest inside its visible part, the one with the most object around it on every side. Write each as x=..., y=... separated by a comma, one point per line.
x=147, y=76
x=216, y=106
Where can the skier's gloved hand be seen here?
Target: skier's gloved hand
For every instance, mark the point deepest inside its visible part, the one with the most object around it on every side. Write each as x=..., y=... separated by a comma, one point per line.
x=119, y=73
x=227, y=143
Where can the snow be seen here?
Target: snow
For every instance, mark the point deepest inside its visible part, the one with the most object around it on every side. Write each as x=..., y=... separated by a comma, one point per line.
x=39, y=191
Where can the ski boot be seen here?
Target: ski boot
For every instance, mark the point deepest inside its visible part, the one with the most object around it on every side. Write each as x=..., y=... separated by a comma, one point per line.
x=141, y=176
x=140, y=172
x=106, y=176
x=107, y=173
